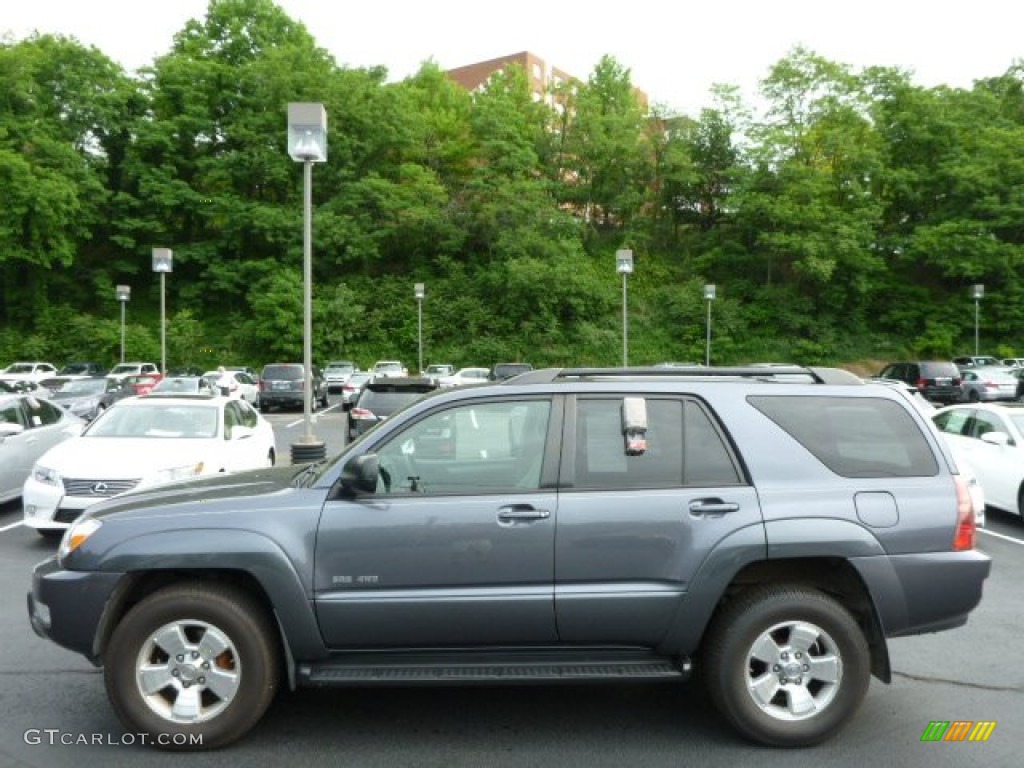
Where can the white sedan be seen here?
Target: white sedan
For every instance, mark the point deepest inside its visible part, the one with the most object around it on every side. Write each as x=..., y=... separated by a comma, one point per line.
x=141, y=442
x=991, y=436
x=243, y=388
x=465, y=376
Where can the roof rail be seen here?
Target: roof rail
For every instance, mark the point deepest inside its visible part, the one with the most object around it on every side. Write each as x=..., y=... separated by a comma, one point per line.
x=815, y=374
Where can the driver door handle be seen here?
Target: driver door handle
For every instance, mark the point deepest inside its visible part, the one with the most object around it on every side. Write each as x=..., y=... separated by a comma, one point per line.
x=521, y=513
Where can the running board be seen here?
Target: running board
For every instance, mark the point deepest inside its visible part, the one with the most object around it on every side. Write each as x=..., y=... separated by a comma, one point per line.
x=508, y=667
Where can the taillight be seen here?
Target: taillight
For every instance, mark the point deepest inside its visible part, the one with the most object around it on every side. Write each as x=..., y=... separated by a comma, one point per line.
x=363, y=413
x=965, y=523
x=922, y=383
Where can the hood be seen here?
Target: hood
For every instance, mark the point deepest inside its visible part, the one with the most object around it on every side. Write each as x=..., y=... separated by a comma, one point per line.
x=124, y=458
x=183, y=496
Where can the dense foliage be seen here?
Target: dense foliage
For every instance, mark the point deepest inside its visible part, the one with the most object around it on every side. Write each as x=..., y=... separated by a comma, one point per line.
x=848, y=216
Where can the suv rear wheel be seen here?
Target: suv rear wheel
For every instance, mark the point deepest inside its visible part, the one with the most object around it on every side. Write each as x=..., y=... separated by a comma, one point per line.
x=194, y=666
x=786, y=665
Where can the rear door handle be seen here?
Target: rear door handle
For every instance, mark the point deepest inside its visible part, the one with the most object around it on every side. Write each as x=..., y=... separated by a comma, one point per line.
x=711, y=507
x=520, y=513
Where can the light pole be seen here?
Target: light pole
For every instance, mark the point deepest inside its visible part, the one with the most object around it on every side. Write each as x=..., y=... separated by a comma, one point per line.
x=307, y=144
x=163, y=262
x=123, y=293
x=419, y=290
x=977, y=293
x=709, y=295
x=624, y=266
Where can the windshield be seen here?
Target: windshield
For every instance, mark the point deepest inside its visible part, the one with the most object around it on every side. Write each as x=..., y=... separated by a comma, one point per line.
x=186, y=420
x=286, y=372
x=124, y=368
x=388, y=367
x=20, y=368
x=84, y=387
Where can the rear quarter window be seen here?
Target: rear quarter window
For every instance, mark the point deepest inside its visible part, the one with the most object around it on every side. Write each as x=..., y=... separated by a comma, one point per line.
x=854, y=437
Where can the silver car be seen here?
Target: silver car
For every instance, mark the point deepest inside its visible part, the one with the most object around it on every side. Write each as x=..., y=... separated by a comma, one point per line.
x=29, y=427
x=988, y=384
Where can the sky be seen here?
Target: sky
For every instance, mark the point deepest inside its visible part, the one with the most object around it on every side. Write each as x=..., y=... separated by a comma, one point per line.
x=675, y=49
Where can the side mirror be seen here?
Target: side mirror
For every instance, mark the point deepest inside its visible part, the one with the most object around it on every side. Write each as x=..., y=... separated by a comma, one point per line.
x=360, y=474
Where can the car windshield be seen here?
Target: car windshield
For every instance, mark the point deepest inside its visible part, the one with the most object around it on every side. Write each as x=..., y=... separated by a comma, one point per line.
x=388, y=367
x=358, y=378
x=181, y=384
x=73, y=369
x=161, y=420
x=84, y=387
x=20, y=368
x=124, y=368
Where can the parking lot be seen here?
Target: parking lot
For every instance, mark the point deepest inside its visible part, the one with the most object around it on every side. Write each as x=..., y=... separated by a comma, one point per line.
x=57, y=714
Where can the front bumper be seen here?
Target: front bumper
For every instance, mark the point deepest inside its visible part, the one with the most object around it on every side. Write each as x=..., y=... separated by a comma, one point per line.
x=67, y=606
x=46, y=508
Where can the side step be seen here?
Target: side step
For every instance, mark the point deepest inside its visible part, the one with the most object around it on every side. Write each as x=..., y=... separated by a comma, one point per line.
x=504, y=667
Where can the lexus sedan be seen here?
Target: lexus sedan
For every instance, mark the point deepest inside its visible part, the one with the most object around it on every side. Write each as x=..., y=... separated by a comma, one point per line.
x=141, y=442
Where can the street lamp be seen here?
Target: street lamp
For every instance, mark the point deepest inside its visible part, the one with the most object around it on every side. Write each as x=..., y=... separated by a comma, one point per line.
x=624, y=266
x=123, y=293
x=709, y=296
x=977, y=293
x=307, y=144
x=419, y=290
x=163, y=262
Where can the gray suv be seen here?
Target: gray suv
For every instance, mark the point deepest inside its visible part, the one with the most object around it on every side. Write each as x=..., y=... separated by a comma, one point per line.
x=767, y=529
x=283, y=384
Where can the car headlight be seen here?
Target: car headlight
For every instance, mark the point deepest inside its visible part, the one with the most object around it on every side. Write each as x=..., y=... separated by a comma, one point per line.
x=76, y=535
x=46, y=476
x=178, y=473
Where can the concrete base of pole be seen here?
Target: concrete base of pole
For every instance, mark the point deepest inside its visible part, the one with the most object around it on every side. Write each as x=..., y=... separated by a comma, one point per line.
x=306, y=452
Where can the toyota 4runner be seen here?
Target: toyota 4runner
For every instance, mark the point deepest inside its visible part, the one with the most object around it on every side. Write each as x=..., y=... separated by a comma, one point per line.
x=767, y=528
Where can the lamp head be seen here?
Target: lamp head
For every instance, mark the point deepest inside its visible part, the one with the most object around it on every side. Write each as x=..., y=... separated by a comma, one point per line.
x=124, y=292
x=624, y=261
x=307, y=133
x=163, y=260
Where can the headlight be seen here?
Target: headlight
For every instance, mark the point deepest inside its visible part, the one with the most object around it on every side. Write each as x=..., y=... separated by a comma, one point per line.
x=76, y=535
x=178, y=473
x=46, y=476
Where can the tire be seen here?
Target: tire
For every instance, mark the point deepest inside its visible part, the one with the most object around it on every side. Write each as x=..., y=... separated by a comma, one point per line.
x=792, y=633
x=50, y=534
x=223, y=624
x=271, y=459
x=264, y=408
x=973, y=396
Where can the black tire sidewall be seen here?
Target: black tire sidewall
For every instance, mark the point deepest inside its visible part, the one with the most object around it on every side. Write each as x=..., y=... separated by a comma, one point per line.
x=726, y=660
x=231, y=612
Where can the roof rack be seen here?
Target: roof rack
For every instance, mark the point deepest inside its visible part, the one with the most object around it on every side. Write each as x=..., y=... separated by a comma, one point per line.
x=808, y=374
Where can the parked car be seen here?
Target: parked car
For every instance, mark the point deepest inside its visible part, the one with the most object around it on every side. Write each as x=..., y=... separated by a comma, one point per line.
x=336, y=372
x=184, y=385
x=437, y=371
x=991, y=436
x=283, y=384
x=381, y=398
x=384, y=369
x=599, y=525
x=122, y=370
x=25, y=387
x=987, y=384
x=1013, y=362
x=82, y=370
x=465, y=376
x=938, y=380
x=975, y=361
x=29, y=427
x=353, y=387
x=86, y=398
x=502, y=371
x=244, y=388
x=35, y=371
x=142, y=442
x=185, y=371
x=140, y=385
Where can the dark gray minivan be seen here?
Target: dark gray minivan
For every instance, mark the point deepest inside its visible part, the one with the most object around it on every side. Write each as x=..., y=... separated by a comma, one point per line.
x=936, y=380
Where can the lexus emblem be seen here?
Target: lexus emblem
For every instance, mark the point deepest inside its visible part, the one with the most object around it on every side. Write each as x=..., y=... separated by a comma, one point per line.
x=99, y=488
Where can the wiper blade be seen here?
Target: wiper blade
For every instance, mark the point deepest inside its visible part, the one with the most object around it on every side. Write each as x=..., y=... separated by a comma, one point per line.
x=302, y=478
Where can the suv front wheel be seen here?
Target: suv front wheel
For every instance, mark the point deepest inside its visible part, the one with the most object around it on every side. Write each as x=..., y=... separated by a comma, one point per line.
x=192, y=666
x=787, y=665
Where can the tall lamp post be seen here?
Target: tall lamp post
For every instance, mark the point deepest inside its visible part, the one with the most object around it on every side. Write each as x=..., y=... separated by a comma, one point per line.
x=420, y=291
x=123, y=293
x=977, y=293
x=163, y=262
x=624, y=266
x=307, y=144
x=709, y=296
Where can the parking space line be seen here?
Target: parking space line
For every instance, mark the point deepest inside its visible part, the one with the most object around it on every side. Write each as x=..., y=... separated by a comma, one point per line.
x=325, y=410
x=11, y=525
x=1002, y=536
